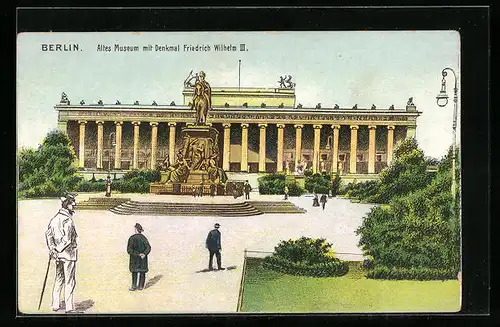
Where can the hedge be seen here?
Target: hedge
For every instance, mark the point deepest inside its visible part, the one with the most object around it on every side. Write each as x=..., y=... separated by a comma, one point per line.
x=275, y=184
x=319, y=183
x=414, y=273
x=331, y=268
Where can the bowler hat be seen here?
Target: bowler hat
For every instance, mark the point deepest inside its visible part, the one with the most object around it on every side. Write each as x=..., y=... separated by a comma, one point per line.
x=139, y=227
x=216, y=225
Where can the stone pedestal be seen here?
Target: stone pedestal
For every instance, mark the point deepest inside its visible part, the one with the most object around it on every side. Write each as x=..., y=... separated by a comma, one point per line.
x=200, y=153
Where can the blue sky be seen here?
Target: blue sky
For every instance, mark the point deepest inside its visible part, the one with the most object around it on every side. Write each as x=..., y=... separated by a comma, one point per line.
x=344, y=68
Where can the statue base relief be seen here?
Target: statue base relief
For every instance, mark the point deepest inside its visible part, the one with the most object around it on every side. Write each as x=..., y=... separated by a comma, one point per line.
x=196, y=166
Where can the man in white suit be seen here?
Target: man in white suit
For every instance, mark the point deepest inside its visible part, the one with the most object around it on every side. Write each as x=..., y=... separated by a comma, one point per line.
x=61, y=240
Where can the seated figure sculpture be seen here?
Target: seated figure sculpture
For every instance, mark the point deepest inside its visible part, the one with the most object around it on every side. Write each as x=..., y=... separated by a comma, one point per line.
x=215, y=174
x=178, y=172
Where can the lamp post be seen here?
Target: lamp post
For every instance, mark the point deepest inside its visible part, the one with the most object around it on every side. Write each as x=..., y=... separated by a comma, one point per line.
x=112, y=143
x=442, y=100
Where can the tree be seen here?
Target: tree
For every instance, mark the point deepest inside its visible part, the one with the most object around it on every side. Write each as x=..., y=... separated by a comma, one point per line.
x=419, y=230
x=407, y=173
x=49, y=170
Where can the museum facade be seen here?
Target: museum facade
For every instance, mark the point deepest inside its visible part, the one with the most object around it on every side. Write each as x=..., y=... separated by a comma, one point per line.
x=261, y=130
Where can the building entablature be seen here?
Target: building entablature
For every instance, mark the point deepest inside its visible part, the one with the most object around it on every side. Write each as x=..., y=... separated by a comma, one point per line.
x=158, y=113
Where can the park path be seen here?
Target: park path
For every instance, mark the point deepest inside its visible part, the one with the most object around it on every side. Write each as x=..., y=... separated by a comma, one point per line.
x=178, y=254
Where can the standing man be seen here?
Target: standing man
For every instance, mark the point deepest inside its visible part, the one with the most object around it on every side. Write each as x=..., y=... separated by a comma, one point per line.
x=214, y=247
x=247, y=188
x=138, y=248
x=212, y=189
x=285, y=190
x=323, y=201
x=61, y=241
x=108, y=186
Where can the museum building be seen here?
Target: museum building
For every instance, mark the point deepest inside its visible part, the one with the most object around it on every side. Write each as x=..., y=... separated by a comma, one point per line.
x=261, y=130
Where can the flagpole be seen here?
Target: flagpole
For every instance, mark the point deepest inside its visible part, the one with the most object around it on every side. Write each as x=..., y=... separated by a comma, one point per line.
x=239, y=75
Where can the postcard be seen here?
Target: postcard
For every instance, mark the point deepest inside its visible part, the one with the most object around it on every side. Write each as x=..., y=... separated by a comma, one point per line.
x=238, y=172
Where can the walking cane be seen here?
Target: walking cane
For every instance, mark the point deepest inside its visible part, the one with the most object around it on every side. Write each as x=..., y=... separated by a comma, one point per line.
x=44, y=282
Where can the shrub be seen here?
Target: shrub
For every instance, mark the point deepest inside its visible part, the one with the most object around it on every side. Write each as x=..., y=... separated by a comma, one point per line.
x=362, y=190
x=90, y=186
x=148, y=175
x=331, y=268
x=306, y=256
x=272, y=184
x=294, y=189
x=319, y=183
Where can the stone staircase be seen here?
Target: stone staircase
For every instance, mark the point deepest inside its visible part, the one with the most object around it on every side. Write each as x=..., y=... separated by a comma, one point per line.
x=125, y=206
x=100, y=203
x=186, y=209
x=284, y=207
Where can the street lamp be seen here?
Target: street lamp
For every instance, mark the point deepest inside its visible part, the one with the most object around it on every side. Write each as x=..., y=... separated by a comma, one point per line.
x=442, y=100
x=112, y=143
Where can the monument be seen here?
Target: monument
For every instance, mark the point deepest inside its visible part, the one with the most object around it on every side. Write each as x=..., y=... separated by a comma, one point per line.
x=197, y=162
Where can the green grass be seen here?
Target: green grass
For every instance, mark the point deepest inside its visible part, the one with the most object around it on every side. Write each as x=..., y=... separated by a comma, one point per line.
x=269, y=291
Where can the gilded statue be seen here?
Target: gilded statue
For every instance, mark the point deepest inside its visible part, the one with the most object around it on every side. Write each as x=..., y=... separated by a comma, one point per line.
x=202, y=99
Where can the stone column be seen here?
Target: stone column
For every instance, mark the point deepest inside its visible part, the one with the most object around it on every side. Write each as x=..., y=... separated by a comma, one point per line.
x=354, y=150
x=227, y=146
x=298, y=144
x=171, y=142
x=279, y=155
x=136, y=144
x=262, y=148
x=118, y=146
x=410, y=131
x=244, y=147
x=81, y=148
x=62, y=126
x=371, y=148
x=390, y=143
x=335, y=146
x=317, y=135
x=154, y=143
x=100, y=143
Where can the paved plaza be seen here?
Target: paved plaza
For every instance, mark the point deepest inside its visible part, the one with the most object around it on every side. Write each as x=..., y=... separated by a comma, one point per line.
x=175, y=282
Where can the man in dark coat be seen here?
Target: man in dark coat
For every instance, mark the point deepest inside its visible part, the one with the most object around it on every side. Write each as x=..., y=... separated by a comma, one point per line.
x=247, y=188
x=214, y=247
x=138, y=248
x=323, y=201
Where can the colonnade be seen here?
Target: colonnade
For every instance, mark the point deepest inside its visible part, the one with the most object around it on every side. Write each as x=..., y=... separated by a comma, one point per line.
x=244, y=145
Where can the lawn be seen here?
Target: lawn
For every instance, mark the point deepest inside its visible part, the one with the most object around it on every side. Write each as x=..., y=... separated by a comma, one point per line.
x=269, y=291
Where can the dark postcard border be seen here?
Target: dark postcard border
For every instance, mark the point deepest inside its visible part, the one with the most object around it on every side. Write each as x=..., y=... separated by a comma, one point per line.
x=473, y=24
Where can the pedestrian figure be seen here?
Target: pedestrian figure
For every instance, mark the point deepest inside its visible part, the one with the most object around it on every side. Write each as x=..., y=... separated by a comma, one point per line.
x=194, y=191
x=212, y=189
x=108, y=186
x=315, y=200
x=323, y=201
x=213, y=244
x=247, y=188
x=138, y=248
x=285, y=190
x=200, y=190
x=61, y=241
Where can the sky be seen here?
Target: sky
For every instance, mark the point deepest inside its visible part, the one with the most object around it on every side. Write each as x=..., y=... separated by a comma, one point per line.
x=346, y=68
